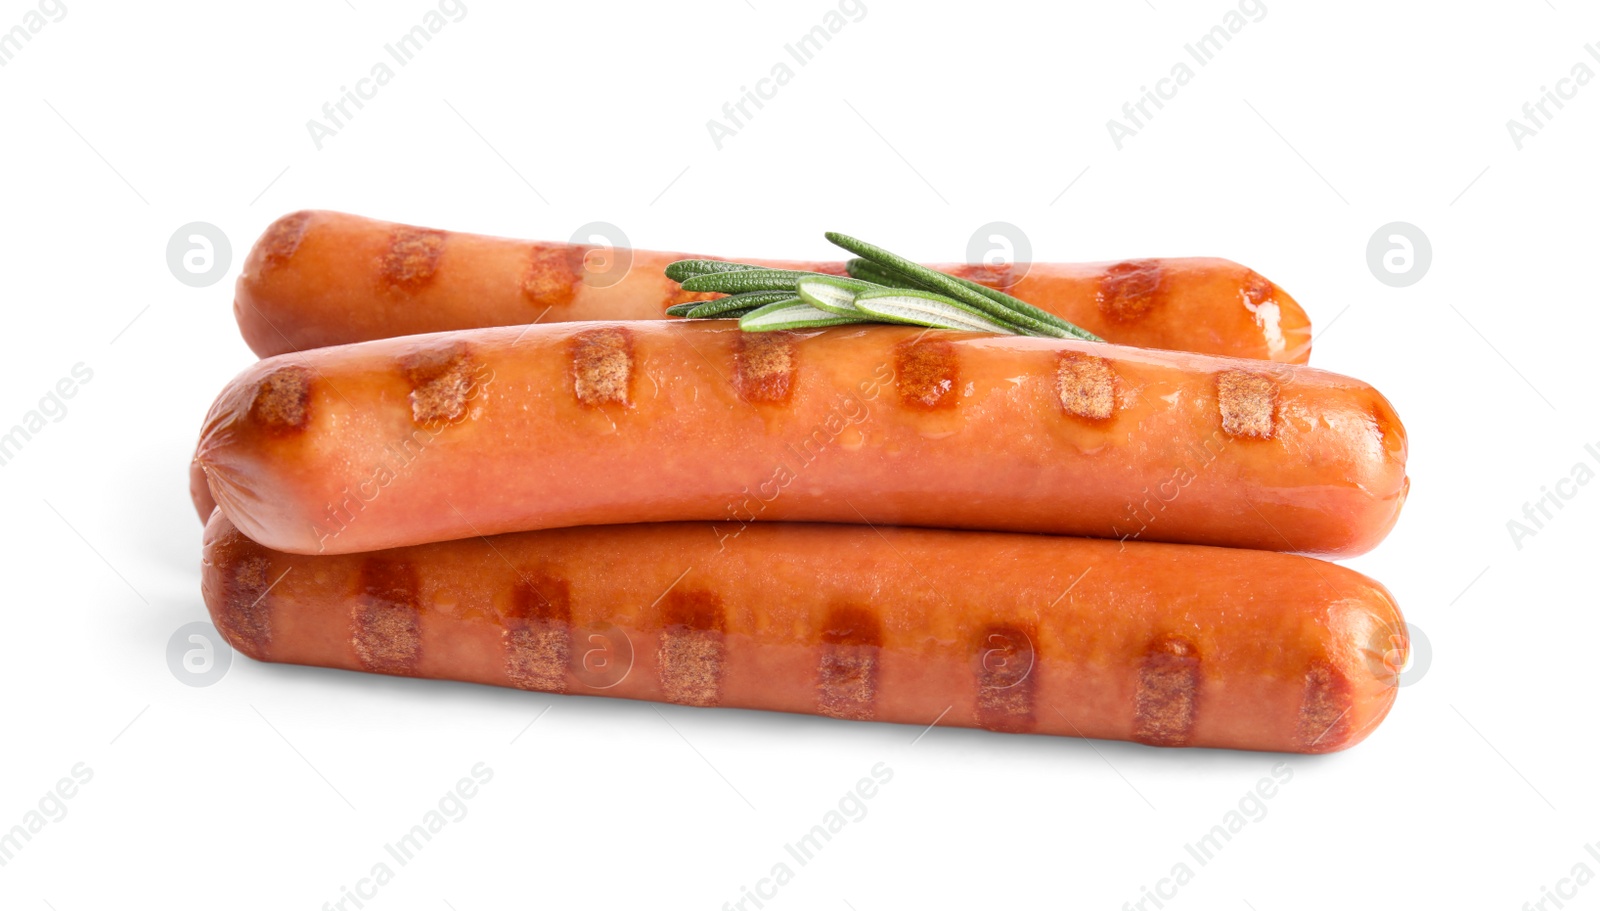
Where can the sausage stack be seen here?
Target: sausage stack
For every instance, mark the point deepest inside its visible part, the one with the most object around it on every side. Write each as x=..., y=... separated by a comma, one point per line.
x=481, y=459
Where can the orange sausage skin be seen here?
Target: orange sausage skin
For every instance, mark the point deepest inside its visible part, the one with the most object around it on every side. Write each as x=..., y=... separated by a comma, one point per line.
x=1168, y=645
x=199, y=492
x=431, y=438
x=318, y=278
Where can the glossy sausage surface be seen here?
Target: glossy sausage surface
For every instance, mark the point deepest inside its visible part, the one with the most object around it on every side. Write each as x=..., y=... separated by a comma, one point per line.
x=1169, y=645
x=325, y=278
x=430, y=438
x=199, y=492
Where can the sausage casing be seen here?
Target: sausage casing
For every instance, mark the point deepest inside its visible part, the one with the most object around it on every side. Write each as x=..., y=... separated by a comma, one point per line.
x=326, y=278
x=430, y=438
x=1170, y=645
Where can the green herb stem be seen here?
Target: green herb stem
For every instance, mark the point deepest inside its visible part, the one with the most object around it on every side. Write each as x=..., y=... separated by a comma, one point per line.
x=792, y=314
x=688, y=268
x=926, y=308
x=995, y=304
x=749, y=300
x=747, y=280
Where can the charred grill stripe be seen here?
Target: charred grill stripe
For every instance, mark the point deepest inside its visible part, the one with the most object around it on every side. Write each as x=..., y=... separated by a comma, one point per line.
x=764, y=366
x=1325, y=706
x=538, y=633
x=282, y=400
x=691, y=650
x=1247, y=403
x=386, y=623
x=602, y=366
x=412, y=259
x=1086, y=385
x=847, y=664
x=1130, y=291
x=1006, y=677
x=927, y=372
x=283, y=238
x=1167, y=702
x=442, y=381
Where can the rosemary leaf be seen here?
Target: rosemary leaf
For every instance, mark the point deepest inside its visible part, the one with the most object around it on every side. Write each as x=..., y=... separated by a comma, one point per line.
x=1006, y=300
x=925, y=308
x=890, y=277
x=750, y=300
x=730, y=314
x=792, y=314
x=746, y=280
x=996, y=305
x=688, y=268
x=869, y=271
x=831, y=293
x=683, y=309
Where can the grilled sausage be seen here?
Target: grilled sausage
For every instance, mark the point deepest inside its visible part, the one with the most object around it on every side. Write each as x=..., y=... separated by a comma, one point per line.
x=430, y=438
x=1165, y=644
x=326, y=278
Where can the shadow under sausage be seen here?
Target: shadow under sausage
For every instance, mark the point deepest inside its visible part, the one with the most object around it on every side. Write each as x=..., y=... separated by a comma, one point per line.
x=778, y=728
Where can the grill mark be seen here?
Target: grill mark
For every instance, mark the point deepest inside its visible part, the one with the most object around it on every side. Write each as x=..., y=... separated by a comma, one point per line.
x=538, y=633
x=602, y=365
x=998, y=276
x=1167, y=700
x=386, y=619
x=245, y=615
x=282, y=401
x=847, y=666
x=412, y=258
x=1247, y=403
x=553, y=275
x=282, y=238
x=1086, y=385
x=1257, y=289
x=442, y=382
x=764, y=366
x=1005, y=677
x=1325, y=707
x=690, y=650
x=1130, y=291
x=927, y=372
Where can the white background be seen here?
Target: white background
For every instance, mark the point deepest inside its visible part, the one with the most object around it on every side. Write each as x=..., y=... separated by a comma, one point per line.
x=278, y=786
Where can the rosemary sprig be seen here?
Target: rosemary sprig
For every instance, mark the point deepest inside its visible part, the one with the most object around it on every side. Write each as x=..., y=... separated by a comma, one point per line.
x=881, y=287
x=888, y=278
x=849, y=297
x=722, y=306
x=688, y=268
x=869, y=271
x=993, y=303
x=746, y=280
x=925, y=308
x=832, y=293
x=792, y=314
